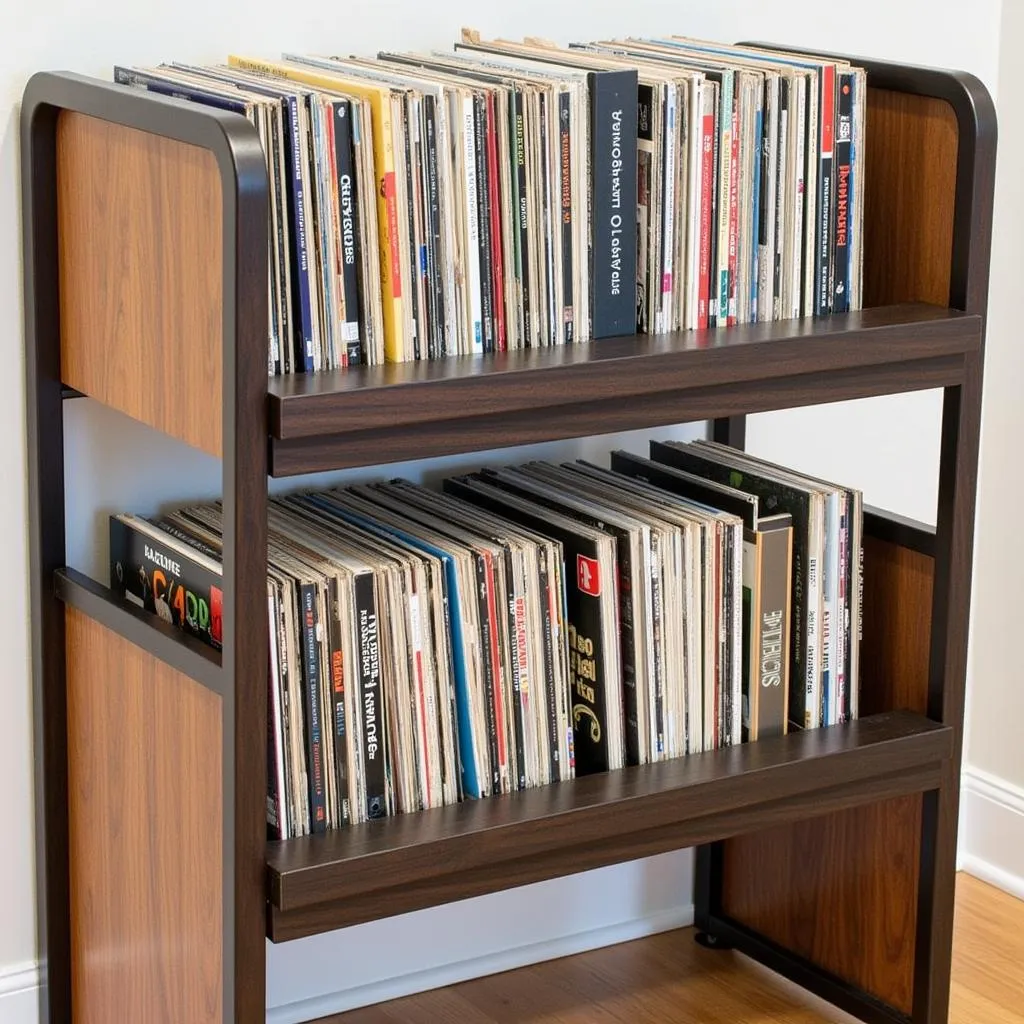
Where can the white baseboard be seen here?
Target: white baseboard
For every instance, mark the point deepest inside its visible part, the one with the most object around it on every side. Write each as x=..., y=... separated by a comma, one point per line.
x=19, y=993
x=992, y=831
x=478, y=967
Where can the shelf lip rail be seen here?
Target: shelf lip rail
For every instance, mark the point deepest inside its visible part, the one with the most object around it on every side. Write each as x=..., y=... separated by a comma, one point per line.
x=169, y=644
x=536, y=380
x=902, y=749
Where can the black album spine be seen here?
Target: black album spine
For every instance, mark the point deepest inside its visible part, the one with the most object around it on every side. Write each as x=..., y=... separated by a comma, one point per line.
x=371, y=698
x=166, y=582
x=314, y=723
x=613, y=112
x=344, y=162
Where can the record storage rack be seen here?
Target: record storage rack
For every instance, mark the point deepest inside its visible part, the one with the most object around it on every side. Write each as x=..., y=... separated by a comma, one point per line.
x=828, y=855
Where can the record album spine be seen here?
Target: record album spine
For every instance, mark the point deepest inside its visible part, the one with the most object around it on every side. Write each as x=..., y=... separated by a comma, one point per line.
x=613, y=106
x=586, y=670
x=843, y=166
x=483, y=194
x=548, y=638
x=289, y=825
x=707, y=196
x=522, y=221
x=628, y=641
x=277, y=812
x=371, y=698
x=516, y=611
x=759, y=243
x=347, y=207
x=565, y=214
x=337, y=688
x=438, y=332
x=300, y=243
x=166, y=582
x=413, y=262
x=471, y=185
x=771, y=670
x=734, y=203
x=495, y=204
x=492, y=681
x=658, y=669
x=826, y=133
x=779, y=310
x=842, y=614
x=187, y=538
x=314, y=723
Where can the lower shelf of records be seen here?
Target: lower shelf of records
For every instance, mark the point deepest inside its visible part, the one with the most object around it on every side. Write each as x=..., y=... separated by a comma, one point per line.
x=526, y=625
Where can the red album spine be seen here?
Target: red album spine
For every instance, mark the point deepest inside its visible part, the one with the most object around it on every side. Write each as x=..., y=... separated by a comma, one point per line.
x=706, y=205
x=734, y=205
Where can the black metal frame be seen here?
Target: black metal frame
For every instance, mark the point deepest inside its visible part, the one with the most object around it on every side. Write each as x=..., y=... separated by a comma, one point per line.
x=241, y=677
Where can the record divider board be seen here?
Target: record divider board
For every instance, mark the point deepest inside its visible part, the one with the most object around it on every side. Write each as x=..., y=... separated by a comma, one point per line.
x=828, y=855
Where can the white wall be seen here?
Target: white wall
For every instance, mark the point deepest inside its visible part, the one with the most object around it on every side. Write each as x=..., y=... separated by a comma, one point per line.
x=89, y=37
x=992, y=822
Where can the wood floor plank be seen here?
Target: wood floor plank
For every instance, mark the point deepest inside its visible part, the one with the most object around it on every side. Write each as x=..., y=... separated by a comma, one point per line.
x=669, y=979
x=988, y=956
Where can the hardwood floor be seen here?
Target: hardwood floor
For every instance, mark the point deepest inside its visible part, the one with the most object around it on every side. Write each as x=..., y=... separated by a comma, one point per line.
x=669, y=979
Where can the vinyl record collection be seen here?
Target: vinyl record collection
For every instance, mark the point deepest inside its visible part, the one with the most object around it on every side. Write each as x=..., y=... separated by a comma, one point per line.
x=516, y=195
x=526, y=624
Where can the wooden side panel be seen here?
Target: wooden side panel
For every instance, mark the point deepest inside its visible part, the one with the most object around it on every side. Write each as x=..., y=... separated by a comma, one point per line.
x=145, y=820
x=897, y=610
x=840, y=891
x=141, y=282
x=910, y=198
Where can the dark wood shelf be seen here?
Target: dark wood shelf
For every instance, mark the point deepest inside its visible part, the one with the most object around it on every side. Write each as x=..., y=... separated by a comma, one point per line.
x=411, y=861
x=416, y=410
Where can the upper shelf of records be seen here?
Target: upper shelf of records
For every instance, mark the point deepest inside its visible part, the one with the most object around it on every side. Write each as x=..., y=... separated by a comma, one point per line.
x=399, y=411
x=522, y=195
x=641, y=369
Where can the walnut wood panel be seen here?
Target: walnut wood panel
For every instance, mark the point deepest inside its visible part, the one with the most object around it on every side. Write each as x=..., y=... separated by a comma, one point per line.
x=897, y=611
x=145, y=820
x=840, y=891
x=909, y=202
x=141, y=282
